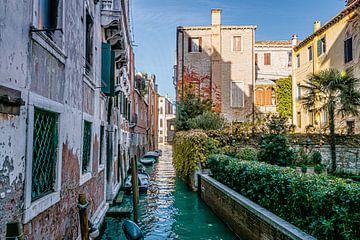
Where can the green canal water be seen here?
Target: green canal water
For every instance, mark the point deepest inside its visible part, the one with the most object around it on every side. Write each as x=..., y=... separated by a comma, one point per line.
x=170, y=211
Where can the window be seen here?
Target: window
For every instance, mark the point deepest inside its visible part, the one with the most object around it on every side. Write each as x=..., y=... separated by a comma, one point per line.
x=321, y=46
x=86, y=151
x=237, y=94
x=45, y=153
x=289, y=59
x=348, y=51
x=236, y=43
x=161, y=110
x=311, y=117
x=298, y=92
x=350, y=127
x=298, y=60
x=102, y=147
x=256, y=59
x=263, y=96
x=47, y=17
x=310, y=53
x=161, y=132
x=195, y=45
x=325, y=117
x=267, y=58
x=106, y=4
x=172, y=128
x=161, y=123
x=89, y=34
x=298, y=117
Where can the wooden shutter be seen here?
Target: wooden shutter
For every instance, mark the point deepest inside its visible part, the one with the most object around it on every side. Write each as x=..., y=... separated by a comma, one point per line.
x=258, y=96
x=189, y=44
x=319, y=47
x=268, y=97
x=237, y=94
x=267, y=59
x=256, y=58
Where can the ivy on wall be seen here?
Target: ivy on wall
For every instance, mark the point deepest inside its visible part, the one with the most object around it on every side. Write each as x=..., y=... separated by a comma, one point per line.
x=283, y=90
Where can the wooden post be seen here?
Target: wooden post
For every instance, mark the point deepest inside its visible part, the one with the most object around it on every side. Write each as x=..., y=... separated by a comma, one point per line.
x=83, y=214
x=135, y=189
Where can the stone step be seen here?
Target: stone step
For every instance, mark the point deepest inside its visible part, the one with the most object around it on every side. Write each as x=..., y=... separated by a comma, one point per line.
x=119, y=198
x=119, y=211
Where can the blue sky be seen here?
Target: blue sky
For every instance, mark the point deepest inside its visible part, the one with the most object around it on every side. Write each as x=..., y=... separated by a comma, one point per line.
x=155, y=21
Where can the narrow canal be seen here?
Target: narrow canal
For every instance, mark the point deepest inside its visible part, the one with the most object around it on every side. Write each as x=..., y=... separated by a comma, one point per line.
x=170, y=211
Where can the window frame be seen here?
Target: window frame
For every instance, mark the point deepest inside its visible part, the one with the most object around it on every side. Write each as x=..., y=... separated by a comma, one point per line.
x=84, y=177
x=321, y=40
x=190, y=49
x=89, y=73
x=34, y=208
x=231, y=94
x=310, y=53
x=346, y=57
x=232, y=43
x=267, y=54
x=102, y=150
x=298, y=60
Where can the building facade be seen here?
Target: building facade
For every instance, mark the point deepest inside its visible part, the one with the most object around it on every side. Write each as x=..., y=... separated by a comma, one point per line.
x=273, y=60
x=63, y=133
x=217, y=63
x=166, y=120
x=333, y=45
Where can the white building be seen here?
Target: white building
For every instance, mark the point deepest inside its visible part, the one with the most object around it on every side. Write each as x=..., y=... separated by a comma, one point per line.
x=166, y=114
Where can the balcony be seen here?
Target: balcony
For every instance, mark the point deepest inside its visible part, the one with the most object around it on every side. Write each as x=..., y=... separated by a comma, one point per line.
x=110, y=11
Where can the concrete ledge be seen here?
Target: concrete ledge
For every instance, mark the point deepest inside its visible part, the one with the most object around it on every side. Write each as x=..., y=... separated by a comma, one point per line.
x=245, y=217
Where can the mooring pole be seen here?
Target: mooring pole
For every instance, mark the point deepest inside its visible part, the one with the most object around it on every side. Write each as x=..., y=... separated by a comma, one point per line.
x=135, y=189
x=83, y=214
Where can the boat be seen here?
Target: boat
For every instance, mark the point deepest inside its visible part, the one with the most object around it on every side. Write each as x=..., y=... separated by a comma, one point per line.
x=159, y=151
x=143, y=182
x=147, y=160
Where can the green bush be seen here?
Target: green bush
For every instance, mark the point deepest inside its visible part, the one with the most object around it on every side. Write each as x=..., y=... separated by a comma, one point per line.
x=190, y=151
x=316, y=157
x=275, y=149
x=229, y=151
x=283, y=90
x=207, y=121
x=323, y=207
x=247, y=154
x=319, y=169
x=303, y=169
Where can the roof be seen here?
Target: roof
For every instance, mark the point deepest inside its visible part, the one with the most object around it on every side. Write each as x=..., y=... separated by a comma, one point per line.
x=330, y=23
x=274, y=42
x=209, y=27
x=264, y=82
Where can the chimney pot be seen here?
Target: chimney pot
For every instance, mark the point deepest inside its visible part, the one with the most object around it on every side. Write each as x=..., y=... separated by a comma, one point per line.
x=294, y=40
x=317, y=25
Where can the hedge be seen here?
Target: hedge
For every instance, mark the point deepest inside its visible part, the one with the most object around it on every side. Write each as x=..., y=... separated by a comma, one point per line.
x=190, y=151
x=327, y=208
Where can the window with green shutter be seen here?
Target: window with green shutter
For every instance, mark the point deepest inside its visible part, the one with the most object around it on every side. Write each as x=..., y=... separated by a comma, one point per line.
x=45, y=152
x=86, y=147
x=321, y=46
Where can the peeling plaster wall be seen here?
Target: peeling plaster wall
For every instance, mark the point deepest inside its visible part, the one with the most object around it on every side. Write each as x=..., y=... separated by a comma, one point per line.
x=14, y=71
x=28, y=66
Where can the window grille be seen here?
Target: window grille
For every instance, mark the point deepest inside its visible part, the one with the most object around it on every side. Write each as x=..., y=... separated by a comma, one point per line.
x=45, y=150
x=86, y=147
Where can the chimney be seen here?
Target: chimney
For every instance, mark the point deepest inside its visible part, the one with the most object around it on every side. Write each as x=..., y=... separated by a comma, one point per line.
x=294, y=40
x=317, y=25
x=216, y=17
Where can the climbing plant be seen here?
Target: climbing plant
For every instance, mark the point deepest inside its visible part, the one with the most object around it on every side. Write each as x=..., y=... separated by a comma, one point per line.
x=283, y=90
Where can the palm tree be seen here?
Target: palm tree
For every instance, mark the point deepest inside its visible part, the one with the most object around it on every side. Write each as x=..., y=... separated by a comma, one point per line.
x=335, y=92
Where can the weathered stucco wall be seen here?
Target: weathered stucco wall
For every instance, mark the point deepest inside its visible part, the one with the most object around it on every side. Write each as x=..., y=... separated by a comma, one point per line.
x=244, y=217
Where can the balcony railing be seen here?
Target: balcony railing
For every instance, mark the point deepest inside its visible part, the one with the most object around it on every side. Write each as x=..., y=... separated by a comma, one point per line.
x=106, y=5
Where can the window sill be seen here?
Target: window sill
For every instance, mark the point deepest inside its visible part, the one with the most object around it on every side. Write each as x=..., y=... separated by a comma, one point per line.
x=40, y=206
x=85, y=177
x=89, y=81
x=49, y=46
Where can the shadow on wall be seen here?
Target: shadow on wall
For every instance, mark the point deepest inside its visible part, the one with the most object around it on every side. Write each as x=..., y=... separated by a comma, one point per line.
x=234, y=98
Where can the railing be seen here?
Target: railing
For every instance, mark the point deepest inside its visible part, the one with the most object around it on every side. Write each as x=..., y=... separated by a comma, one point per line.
x=106, y=5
